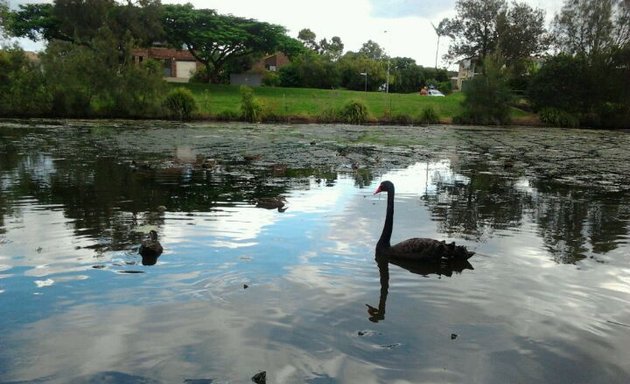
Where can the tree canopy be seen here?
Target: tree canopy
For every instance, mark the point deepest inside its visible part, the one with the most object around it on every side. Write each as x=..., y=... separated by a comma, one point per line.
x=372, y=50
x=592, y=27
x=4, y=13
x=589, y=81
x=308, y=38
x=482, y=27
x=215, y=39
x=81, y=21
x=88, y=51
x=474, y=30
x=333, y=48
x=521, y=33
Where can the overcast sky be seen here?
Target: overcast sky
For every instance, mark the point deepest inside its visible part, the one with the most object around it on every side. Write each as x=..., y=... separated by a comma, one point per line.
x=407, y=22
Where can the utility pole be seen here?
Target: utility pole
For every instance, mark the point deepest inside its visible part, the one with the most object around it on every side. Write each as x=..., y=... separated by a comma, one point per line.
x=365, y=75
x=387, y=78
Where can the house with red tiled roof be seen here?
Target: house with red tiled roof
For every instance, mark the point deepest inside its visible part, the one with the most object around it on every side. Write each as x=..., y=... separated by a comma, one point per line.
x=178, y=65
x=254, y=76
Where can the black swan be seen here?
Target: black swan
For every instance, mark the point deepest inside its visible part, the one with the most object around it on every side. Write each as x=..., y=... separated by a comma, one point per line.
x=416, y=249
x=150, y=249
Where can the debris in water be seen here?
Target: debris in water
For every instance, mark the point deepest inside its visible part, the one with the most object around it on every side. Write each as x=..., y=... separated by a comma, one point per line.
x=391, y=346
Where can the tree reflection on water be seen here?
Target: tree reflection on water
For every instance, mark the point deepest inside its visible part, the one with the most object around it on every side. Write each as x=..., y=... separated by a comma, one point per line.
x=108, y=197
x=572, y=221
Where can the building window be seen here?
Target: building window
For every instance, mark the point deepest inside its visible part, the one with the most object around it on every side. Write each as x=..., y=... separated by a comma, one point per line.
x=168, y=70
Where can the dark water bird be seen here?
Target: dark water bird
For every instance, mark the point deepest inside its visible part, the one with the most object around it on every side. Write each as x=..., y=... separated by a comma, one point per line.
x=276, y=202
x=415, y=249
x=140, y=166
x=150, y=249
x=208, y=164
x=279, y=169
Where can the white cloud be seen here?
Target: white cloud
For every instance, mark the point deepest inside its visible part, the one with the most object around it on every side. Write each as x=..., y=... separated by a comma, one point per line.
x=407, y=22
x=405, y=8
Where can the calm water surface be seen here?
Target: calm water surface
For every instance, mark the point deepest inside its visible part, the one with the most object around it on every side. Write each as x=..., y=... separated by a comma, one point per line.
x=241, y=289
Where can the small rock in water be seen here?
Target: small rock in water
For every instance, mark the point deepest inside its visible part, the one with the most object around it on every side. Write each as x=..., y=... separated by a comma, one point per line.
x=260, y=378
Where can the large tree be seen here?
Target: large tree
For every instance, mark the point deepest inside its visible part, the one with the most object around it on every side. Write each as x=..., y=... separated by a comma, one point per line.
x=310, y=71
x=590, y=79
x=521, y=33
x=372, y=50
x=86, y=62
x=22, y=91
x=308, y=38
x=333, y=48
x=358, y=72
x=406, y=75
x=474, y=30
x=4, y=13
x=483, y=27
x=215, y=39
x=81, y=21
x=592, y=27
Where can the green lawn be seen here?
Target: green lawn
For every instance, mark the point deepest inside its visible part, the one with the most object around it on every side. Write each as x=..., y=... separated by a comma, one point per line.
x=310, y=103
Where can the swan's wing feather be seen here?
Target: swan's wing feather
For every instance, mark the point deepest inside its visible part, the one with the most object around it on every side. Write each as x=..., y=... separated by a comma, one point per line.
x=425, y=249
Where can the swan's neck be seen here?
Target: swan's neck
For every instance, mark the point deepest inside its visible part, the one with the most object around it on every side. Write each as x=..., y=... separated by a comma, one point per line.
x=386, y=235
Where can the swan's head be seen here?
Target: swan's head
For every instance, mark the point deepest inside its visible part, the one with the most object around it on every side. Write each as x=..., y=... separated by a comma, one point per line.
x=153, y=235
x=385, y=186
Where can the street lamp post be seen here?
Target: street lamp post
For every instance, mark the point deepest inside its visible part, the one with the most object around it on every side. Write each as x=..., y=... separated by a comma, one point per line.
x=364, y=74
x=387, y=78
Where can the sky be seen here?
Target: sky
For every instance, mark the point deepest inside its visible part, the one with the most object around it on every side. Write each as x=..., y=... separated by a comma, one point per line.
x=402, y=27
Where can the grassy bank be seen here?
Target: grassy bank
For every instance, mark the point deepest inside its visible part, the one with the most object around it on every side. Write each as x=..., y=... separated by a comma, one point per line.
x=309, y=104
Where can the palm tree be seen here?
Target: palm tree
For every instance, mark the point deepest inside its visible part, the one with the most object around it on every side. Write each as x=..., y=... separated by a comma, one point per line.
x=440, y=30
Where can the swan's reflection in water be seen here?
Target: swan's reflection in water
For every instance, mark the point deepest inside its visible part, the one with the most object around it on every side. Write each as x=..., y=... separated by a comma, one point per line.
x=376, y=314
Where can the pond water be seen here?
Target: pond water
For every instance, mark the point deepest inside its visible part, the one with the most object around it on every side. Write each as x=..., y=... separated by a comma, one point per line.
x=243, y=287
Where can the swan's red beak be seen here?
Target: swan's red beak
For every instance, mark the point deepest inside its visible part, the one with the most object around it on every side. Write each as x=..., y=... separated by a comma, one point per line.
x=378, y=190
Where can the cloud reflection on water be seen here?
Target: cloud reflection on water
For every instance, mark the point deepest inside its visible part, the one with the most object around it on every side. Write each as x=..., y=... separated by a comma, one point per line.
x=536, y=308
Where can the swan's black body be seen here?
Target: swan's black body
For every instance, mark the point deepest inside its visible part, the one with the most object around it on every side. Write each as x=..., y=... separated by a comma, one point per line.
x=416, y=249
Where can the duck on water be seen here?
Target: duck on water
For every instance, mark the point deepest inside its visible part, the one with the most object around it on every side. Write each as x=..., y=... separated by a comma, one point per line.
x=423, y=250
x=150, y=249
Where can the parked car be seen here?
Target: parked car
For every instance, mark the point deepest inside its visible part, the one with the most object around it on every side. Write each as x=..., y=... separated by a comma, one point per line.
x=435, y=92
